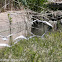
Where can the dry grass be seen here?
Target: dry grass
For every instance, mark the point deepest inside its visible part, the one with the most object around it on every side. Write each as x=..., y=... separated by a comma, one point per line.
x=36, y=49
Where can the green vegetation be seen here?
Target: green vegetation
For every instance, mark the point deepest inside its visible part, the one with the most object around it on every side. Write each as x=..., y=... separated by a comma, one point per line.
x=36, y=49
x=35, y=5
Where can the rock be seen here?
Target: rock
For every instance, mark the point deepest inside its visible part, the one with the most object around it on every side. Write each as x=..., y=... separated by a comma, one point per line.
x=55, y=16
x=59, y=13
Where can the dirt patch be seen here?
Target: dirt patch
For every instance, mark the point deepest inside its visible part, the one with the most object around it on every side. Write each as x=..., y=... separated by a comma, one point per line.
x=18, y=26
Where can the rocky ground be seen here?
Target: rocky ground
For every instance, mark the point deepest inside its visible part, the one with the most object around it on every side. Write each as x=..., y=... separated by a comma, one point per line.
x=53, y=17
